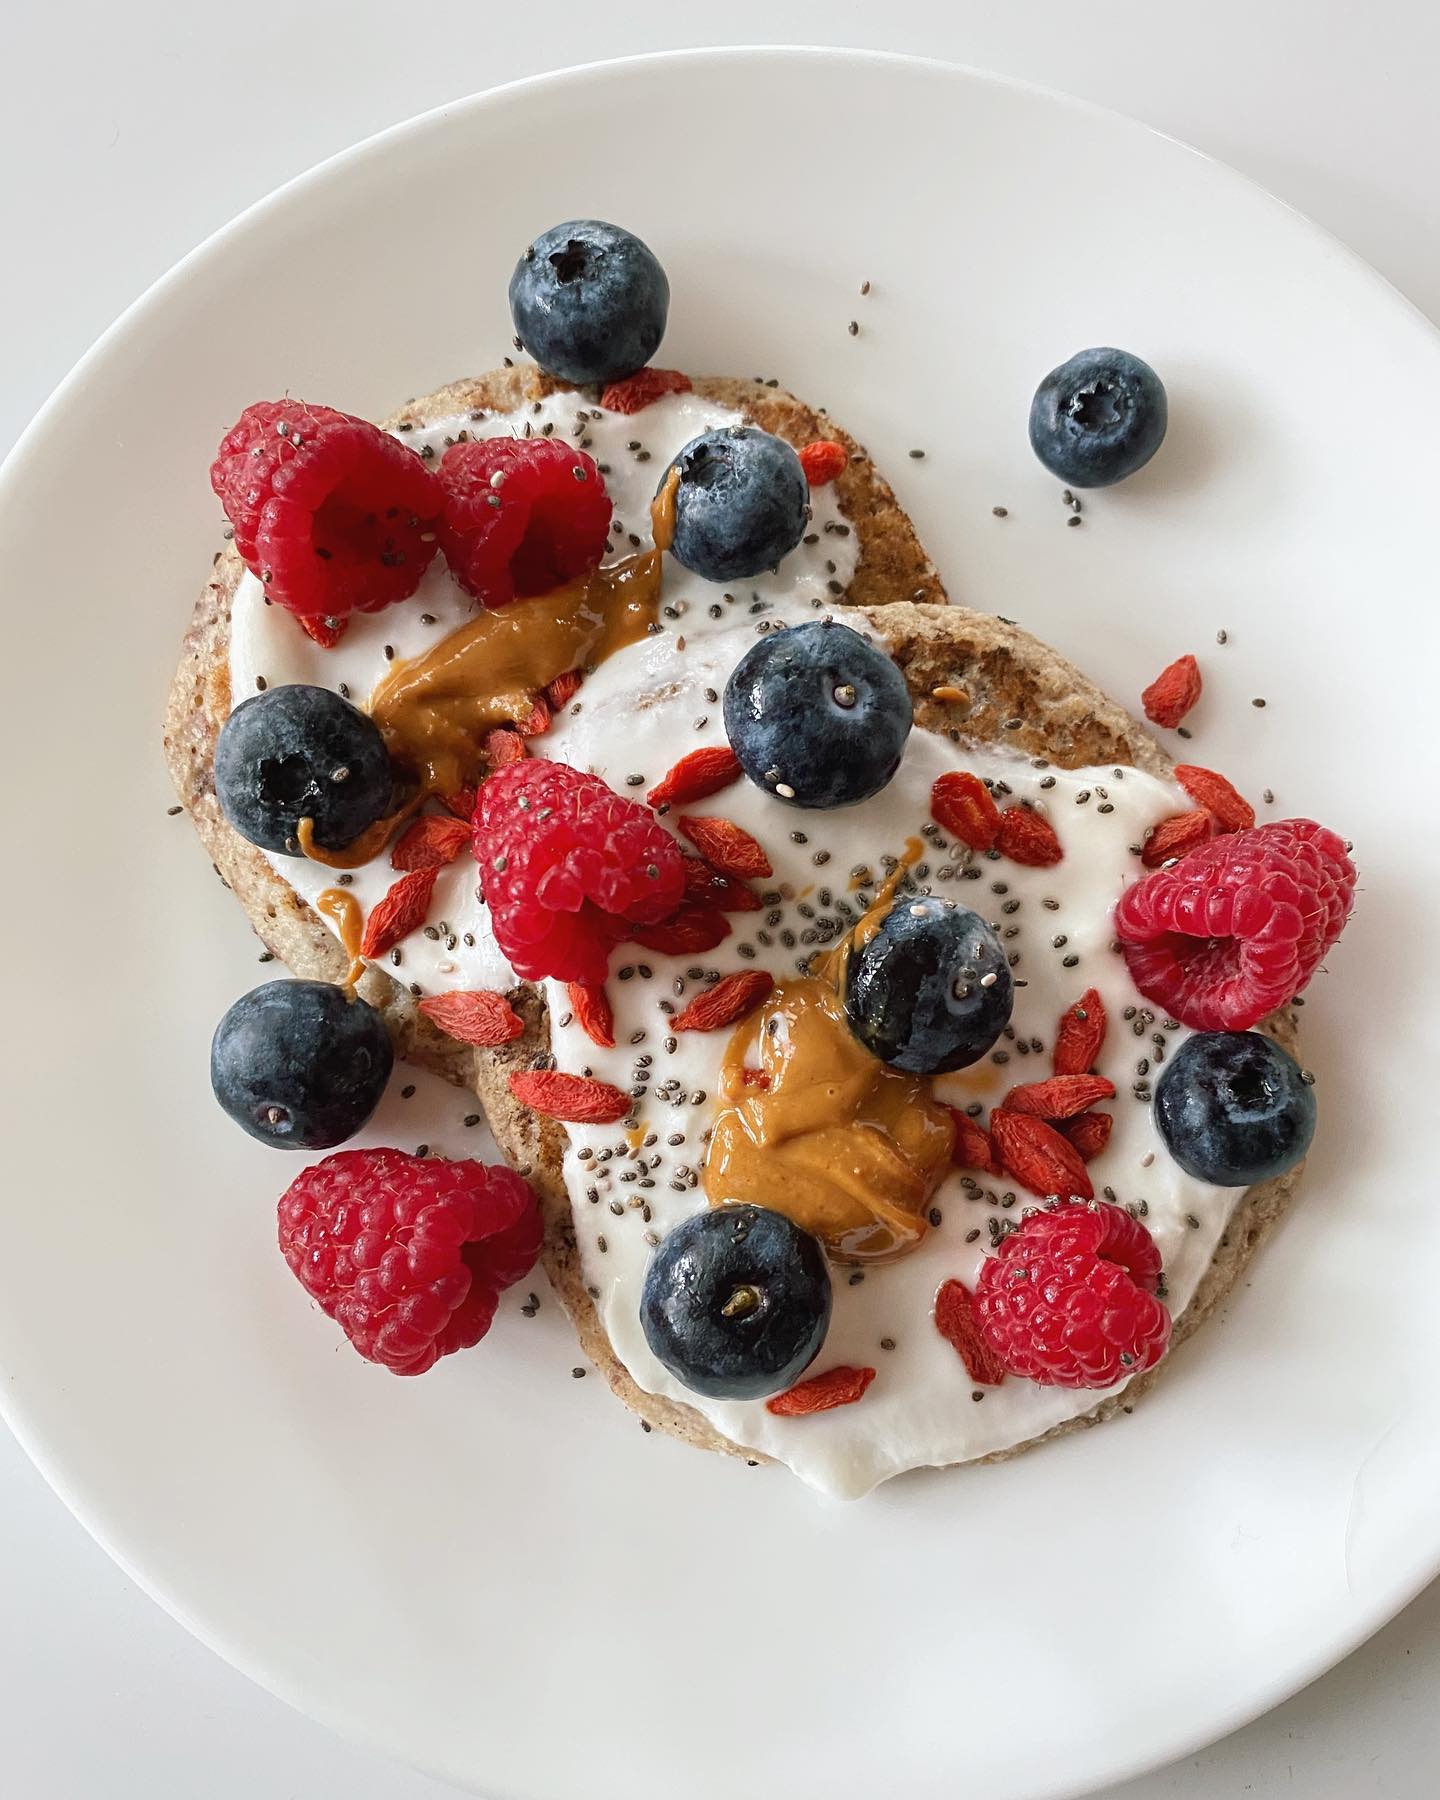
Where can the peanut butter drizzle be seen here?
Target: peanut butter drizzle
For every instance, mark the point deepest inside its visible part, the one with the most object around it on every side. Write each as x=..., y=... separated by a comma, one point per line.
x=343, y=909
x=360, y=850
x=847, y=1147
x=433, y=710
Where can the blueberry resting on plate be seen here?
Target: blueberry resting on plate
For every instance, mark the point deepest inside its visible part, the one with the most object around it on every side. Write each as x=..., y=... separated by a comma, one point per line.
x=1234, y=1108
x=742, y=503
x=736, y=1302
x=296, y=753
x=1098, y=418
x=298, y=1065
x=817, y=716
x=589, y=301
x=930, y=990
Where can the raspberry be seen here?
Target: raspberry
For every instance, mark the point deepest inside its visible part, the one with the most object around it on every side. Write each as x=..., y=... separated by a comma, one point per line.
x=1068, y=1300
x=522, y=516
x=568, y=865
x=408, y=1254
x=1239, y=926
x=334, y=515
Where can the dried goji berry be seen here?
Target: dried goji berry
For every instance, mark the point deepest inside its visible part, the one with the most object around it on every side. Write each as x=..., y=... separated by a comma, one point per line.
x=563, y=689
x=402, y=911
x=1173, y=692
x=537, y=721
x=726, y=1002
x=823, y=460
x=591, y=1006
x=1059, y=1097
x=327, y=633
x=697, y=776
x=478, y=1017
x=1090, y=1133
x=692, y=930
x=972, y=1148
x=577, y=1099
x=711, y=888
x=756, y=1078
x=725, y=846
x=430, y=842
x=1036, y=1156
x=1174, y=836
x=501, y=746
x=961, y=804
x=637, y=391
x=1080, y=1035
x=956, y=1322
x=836, y=1387
x=1233, y=812
x=1027, y=838
x=461, y=803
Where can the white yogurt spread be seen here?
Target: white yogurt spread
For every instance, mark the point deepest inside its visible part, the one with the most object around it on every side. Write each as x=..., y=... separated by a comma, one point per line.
x=637, y=715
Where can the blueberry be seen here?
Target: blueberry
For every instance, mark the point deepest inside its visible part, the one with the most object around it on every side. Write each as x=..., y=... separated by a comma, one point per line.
x=589, y=301
x=301, y=752
x=736, y=1302
x=1234, y=1108
x=1098, y=418
x=298, y=1065
x=930, y=990
x=817, y=716
x=742, y=503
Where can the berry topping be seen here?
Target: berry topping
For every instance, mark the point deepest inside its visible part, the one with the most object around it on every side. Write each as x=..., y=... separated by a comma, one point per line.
x=522, y=516
x=1059, y=1097
x=1090, y=1133
x=957, y=1323
x=1080, y=1035
x=334, y=515
x=822, y=1393
x=1036, y=1155
x=1098, y=418
x=696, y=777
x=1173, y=692
x=973, y=1149
x=740, y=505
x=730, y=999
x=298, y=1065
x=578, y=1099
x=1239, y=926
x=568, y=866
x=1231, y=810
x=1234, y=1108
x=430, y=842
x=823, y=460
x=1068, y=1300
x=641, y=389
x=1177, y=836
x=930, y=989
x=817, y=715
x=728, y=848
x=961, y=804
x=408, y=1254
x=1026, y=838
x=401, y=910
x=592, y=1011
x=736, y=1302
x=476, y=1017
x=589, y=301
x=296, y=753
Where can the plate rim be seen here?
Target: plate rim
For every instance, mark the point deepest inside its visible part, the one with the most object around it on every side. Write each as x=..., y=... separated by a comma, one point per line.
x=88, y=1509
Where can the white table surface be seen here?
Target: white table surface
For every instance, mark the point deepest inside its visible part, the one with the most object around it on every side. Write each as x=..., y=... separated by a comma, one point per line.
x=130, y=131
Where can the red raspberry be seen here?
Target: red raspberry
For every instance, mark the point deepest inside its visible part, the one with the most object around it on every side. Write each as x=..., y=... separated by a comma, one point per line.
x=1068, y=1300
x=522, y=516
x=408, y=1254
x=334, y=515
x=1239, y=926
x=568, y=866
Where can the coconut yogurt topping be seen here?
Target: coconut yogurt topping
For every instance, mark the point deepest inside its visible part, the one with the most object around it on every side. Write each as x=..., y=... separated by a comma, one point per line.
x=654, y=699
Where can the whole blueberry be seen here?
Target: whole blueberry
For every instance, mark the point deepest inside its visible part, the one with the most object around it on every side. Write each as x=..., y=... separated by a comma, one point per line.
x=741, y=505
x=930, y=990
x=298, y=1065
x=1098, y=418
x=589, y=301
x=736, y=1302
x=296, y=753
x=817, y=715
x=1234, y=1108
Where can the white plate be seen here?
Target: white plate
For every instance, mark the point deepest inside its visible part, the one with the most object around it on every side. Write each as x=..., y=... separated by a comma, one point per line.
x=492, y=1571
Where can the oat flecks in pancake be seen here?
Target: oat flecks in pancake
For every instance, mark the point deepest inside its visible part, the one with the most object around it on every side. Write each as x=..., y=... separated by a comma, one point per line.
x=1006, y=674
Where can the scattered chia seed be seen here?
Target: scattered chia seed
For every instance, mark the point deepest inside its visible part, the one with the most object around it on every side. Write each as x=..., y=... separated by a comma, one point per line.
x=853, y=328
x=1001, y=512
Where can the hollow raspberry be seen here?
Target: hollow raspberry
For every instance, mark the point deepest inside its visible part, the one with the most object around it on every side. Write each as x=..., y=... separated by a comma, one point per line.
x=522, y=516
x=1239, y=926
x=1068, y=1300
x=408, y=1254
x=334, y=515
x=569, y=866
